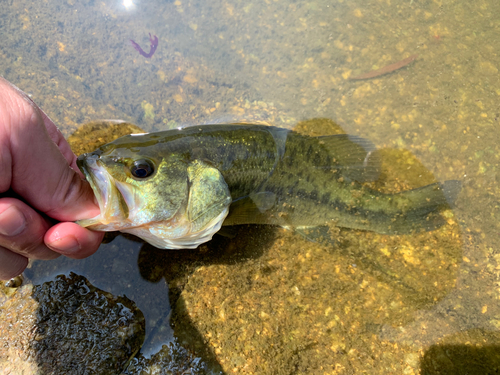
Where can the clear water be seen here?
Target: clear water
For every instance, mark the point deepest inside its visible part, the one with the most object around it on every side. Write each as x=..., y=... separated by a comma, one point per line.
x=342, y=310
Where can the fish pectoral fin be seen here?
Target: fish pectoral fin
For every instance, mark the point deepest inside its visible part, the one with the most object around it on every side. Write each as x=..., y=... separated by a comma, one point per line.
x=251, y=210
x=228, y=232
x=209, y=197
x=353, y=156
x=264, y=200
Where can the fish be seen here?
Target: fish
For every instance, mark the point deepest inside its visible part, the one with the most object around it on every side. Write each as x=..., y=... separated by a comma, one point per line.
x=386, y=69
x=175, y=189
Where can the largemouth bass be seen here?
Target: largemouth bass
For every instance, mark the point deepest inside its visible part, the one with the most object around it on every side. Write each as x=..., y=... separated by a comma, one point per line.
x=176, y=188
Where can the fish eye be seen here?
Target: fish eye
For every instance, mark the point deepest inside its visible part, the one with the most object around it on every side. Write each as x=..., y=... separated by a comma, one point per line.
x=142, y=168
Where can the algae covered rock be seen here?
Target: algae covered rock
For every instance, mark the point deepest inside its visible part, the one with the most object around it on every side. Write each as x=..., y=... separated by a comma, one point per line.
x=93, y=134
x=68, y=326
x=171, y=359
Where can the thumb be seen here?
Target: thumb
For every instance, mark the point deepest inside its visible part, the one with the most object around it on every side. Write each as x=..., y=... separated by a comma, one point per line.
x=34, y=166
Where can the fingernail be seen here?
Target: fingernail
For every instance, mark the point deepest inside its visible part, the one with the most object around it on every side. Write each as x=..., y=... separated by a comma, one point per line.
x=65, y=245
x=12, y=222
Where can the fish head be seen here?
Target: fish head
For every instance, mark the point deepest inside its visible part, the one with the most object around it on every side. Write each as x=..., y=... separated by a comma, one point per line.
x=133, y=186
x=161, y=196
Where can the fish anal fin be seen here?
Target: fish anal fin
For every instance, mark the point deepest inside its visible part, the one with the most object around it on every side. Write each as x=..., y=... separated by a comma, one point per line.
x=319, y=234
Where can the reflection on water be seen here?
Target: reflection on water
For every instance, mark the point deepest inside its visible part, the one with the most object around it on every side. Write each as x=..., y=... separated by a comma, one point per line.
x=366, y=303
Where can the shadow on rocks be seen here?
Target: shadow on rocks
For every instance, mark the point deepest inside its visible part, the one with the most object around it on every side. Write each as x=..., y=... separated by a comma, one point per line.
x=176, y=266
x=477, y=354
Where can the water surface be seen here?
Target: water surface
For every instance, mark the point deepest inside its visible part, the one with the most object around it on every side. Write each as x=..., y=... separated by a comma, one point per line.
x=269, y=301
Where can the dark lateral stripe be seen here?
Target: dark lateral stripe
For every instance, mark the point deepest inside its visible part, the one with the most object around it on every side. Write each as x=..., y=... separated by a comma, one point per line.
x=378, y=216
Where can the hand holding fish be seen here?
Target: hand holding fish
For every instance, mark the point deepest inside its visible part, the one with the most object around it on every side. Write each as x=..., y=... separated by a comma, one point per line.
x=39, y=185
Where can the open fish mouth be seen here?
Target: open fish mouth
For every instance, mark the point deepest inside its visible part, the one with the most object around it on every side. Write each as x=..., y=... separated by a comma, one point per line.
x=111, y=200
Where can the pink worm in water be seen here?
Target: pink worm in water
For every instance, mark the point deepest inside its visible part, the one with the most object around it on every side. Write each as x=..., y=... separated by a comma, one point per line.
x=152, y=47
x=387, y=69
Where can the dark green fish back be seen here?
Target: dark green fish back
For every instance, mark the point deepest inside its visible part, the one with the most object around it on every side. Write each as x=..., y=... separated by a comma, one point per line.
x=318, y=181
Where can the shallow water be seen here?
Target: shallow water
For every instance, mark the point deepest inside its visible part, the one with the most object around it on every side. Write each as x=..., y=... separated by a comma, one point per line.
x=370, y=303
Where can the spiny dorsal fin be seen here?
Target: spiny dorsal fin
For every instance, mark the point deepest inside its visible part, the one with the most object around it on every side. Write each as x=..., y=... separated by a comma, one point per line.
x=353, y=157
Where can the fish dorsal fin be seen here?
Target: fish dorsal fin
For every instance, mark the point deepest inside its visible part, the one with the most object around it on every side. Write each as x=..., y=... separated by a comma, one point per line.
x=353, y=156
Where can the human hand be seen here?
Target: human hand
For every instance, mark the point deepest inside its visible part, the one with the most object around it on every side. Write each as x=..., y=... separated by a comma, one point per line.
x=39, y=169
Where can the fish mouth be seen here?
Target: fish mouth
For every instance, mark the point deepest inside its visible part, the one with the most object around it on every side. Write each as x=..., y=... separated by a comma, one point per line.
x=112, y=203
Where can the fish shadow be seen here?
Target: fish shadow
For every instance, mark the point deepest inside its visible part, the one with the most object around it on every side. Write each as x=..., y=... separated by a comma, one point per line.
x=461, y=359
x=176, y=266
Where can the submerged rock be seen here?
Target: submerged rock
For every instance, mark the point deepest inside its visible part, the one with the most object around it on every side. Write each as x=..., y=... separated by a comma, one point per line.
x=172, y=359
x=93, y=134
x=68, y=326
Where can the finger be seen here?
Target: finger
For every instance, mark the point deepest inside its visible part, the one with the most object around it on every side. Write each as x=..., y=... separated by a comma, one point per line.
x=22, y=230
x=11, y=264
x=72, y=240
x=48, y=183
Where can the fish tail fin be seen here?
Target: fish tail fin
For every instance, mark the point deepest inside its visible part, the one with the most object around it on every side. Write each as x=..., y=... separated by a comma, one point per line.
x=423, y=207
x=433, y=196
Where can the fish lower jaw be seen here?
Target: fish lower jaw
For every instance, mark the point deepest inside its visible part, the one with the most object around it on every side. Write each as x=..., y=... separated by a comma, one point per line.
x=181, y=236
x=99, y=224
x=87, y=223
